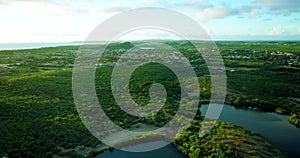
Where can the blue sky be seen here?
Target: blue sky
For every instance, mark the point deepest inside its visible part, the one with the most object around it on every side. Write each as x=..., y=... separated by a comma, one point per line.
x=72, y=20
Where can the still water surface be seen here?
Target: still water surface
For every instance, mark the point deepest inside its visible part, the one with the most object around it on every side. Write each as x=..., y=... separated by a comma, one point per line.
x=272, y=126
x=168, y=151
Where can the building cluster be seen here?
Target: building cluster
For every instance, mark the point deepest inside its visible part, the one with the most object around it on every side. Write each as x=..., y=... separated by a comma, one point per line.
x=272, y=57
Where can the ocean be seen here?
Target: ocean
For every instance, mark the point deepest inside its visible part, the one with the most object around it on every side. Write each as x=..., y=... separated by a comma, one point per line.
x=15, y=46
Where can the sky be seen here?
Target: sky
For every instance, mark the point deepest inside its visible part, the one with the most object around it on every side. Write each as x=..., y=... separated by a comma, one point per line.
x=72, y=20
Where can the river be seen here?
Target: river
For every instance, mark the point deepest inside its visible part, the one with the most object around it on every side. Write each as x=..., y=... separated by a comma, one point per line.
x=272, y=126
x=167, y=151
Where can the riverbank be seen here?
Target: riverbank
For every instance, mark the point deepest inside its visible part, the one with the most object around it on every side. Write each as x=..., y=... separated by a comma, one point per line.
x=119, y=139
x=283, y=133
x=237, y=140
x=225, y=140
x=295, y=119
x=294, y=116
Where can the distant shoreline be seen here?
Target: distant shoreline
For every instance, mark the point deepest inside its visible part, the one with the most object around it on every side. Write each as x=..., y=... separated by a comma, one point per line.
x=37, y=45
x=22, y=46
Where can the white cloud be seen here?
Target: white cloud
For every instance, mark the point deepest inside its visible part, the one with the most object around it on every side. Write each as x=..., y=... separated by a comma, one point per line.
x=48, y=22
x=253, y=13
x=219, y=12
x=194, y=4
x=7, y=2
x=118, y=7
x=298, y=30
x=144, y=34
x=65, y=6
x=214, y=13
x=151, y=2
x=278, y=30
x=284, y=7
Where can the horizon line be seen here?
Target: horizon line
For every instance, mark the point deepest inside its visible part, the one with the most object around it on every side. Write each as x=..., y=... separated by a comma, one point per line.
x=225, y=40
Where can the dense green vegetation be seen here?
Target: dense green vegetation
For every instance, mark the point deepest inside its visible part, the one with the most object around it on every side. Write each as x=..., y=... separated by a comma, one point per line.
x=263, y=75
x=292, y=47
x=38, y=117
x=225, y=140
x=295, y=118
x=139, y=87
